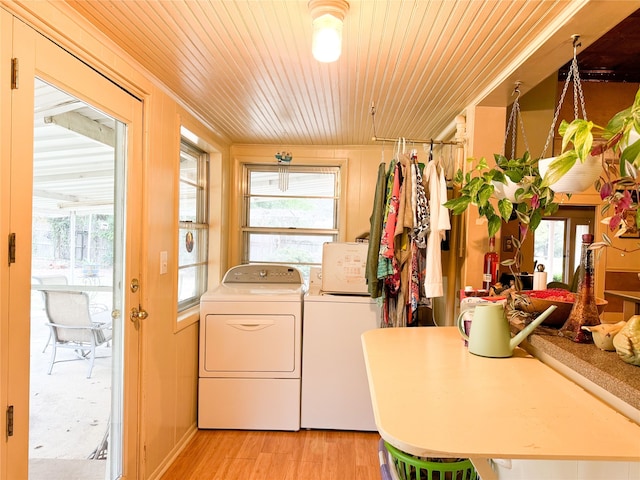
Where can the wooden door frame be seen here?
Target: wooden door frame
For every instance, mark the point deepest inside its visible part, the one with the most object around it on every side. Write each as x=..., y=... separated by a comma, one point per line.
x=39, y=56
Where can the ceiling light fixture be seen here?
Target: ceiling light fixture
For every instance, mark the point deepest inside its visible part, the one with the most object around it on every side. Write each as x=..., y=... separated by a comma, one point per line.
x=327, y=18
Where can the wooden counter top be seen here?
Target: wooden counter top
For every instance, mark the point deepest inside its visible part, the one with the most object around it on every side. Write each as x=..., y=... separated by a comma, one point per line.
x=431, y=397
x=624, y=294
x=630, y=301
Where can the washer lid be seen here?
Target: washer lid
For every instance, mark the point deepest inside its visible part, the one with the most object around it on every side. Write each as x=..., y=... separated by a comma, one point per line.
x=261, y=273
x=251, y=292
x=316, y=295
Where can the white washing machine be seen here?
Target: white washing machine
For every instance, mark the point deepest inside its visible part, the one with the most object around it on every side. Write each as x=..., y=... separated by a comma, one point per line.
x=335, y=389
x=250, y=350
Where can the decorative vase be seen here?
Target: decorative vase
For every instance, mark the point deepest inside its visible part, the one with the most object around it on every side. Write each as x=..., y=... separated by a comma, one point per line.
x=585, y=311
x=579, y=178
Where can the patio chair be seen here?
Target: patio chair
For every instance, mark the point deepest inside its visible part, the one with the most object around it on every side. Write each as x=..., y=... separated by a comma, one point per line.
x=49, y=280
x=72, y=326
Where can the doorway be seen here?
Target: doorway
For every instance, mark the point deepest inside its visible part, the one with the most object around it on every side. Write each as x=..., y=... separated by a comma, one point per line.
x=557, y=242
x=33, y=187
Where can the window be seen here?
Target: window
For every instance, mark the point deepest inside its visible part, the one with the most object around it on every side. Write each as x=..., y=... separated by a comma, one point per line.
x=289, y=213
x=193, y=231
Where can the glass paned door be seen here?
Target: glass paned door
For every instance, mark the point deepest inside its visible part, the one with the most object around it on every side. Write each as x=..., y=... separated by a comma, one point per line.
x=74, y=153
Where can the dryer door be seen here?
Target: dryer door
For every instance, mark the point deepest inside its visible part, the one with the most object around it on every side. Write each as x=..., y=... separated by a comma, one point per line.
x=249, y=343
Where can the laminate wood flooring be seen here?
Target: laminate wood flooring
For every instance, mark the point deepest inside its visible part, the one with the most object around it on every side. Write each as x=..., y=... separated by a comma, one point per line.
x=262, y=455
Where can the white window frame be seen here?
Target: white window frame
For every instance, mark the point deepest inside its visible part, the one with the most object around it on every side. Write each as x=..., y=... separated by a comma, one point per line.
x=246, y=230
x=200, y=226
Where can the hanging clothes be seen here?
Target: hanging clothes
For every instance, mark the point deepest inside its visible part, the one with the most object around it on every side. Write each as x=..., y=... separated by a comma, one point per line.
x=435, y=184
x=387, y=264
x=408, y=223
x=375, y=231
x=421, y=206
x=403, y=239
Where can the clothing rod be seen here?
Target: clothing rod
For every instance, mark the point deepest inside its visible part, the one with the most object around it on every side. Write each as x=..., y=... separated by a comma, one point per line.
x=409, y=140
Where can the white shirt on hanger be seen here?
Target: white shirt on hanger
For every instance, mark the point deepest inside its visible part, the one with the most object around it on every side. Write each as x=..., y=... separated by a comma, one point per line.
x=440, y=223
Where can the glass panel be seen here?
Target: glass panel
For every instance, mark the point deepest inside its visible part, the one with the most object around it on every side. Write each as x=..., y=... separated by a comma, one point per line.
x=78, y=245
x=188, y=205
x=580, y=230
x=301, y=184
x=188, y=168
x=187, y=283
x=192, y=246
x=549, y=248
x=291, y=212
x=286, y=248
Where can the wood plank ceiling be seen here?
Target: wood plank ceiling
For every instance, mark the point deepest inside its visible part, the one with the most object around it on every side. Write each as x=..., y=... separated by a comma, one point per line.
x=245, y=66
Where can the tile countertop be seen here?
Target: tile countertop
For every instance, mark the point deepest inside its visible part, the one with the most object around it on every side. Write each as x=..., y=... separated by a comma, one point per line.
x=602, y=373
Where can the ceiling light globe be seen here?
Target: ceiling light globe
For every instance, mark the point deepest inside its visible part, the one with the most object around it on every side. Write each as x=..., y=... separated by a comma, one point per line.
x=327, y=38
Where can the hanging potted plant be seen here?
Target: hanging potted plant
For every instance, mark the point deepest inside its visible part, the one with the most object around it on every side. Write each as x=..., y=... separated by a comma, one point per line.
x=618, y=185
x=512, y=189
x=575, y=169
x=529, y=202
x=564, y=174
x=620, y=135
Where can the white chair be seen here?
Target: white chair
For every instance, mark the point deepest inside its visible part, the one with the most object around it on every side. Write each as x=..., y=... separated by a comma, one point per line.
x=49, y=280
x=72, y=326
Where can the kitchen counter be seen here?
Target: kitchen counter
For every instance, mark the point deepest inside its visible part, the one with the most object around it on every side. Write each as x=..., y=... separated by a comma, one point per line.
x=431, y=397
x=603, y=373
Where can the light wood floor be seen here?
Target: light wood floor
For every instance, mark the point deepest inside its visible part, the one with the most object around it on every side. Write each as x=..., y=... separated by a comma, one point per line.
x=303, y=455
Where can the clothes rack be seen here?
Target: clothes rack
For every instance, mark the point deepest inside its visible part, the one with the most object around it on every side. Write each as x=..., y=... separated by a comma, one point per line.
x=409, y=140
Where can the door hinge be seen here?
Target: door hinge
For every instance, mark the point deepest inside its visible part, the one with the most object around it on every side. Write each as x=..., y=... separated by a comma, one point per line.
x=15, y=80
x=12, y=248
x=10, y=421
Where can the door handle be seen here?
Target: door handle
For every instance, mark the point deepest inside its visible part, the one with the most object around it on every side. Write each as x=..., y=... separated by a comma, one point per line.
x=138, y=314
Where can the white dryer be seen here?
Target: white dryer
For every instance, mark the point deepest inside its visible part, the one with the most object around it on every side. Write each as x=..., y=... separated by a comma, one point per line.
x=250, y=350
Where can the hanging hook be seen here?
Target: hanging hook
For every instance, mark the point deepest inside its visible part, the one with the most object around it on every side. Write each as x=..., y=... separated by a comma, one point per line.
x=516, y=89
x=576, y=44
x=576, y=40
x=373, y=118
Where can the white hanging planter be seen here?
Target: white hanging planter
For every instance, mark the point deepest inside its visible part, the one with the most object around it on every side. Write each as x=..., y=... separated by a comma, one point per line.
x=578, y=179
x=508, y=190
x=633, y=137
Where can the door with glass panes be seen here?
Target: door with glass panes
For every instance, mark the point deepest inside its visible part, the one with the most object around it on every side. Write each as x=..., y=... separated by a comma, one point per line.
x=30, y=60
